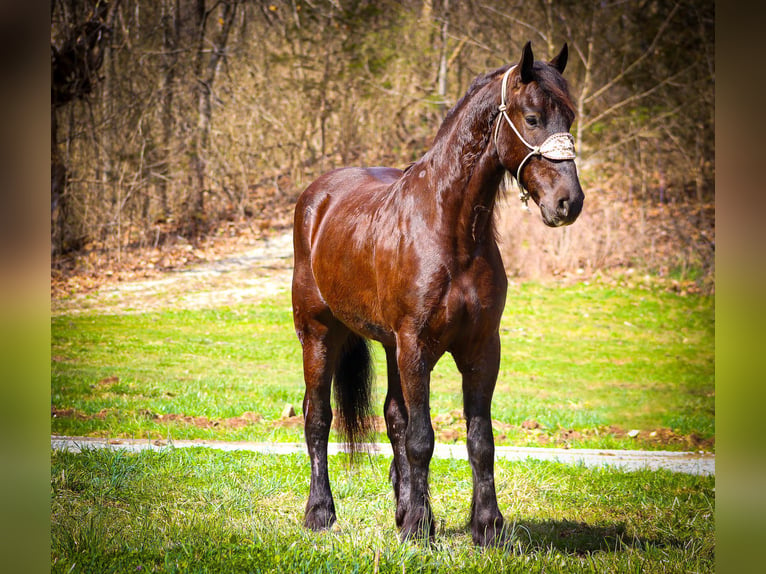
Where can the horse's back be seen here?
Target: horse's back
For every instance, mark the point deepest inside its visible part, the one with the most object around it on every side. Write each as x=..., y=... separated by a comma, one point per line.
x=344, y=181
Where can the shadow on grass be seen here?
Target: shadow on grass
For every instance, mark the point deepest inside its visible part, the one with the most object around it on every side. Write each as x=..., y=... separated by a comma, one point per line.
x=533, y=536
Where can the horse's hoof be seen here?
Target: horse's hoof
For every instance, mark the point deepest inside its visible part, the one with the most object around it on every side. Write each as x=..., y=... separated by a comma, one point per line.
x=491, y=535
x=318, y=519
x=418, y=529
x=400, y=515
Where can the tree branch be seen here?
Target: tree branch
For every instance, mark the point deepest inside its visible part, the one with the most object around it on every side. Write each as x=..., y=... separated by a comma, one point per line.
x=637, y=61
x=517, y=21
x=622, y=103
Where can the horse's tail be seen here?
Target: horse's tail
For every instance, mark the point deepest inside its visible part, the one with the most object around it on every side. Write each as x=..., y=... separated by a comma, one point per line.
x=353, y=392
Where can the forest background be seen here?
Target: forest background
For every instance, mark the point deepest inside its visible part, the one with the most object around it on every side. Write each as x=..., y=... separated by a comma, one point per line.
x=178, y=122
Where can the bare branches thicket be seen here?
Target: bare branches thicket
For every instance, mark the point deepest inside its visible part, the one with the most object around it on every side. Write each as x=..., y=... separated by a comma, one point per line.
x=201, y=113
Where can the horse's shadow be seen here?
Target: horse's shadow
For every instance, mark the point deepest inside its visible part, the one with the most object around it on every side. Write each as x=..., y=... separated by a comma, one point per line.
x=570, y=537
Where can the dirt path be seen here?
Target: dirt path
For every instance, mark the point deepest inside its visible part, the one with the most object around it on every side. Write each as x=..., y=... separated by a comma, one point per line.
x=245, y=277
x=630, y=460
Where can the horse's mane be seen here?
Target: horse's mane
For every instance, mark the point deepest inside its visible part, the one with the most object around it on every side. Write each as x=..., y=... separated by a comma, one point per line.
x=552, y=84
x=477, y=84
x=548, y=80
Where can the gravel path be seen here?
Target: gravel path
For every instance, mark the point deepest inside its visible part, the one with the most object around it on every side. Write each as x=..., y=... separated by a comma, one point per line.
x=630, y=460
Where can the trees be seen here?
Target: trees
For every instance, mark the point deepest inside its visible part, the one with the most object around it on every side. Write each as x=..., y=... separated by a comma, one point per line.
x=210, y=52
x=75, y=64
x=201, y=112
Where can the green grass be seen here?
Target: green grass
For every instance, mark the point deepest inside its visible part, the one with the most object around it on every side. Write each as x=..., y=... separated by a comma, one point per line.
x=196, y=510
x=581, y=364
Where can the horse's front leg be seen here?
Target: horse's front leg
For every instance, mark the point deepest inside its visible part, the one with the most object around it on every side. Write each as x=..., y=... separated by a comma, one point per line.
x=479, y=370
x=414, y=373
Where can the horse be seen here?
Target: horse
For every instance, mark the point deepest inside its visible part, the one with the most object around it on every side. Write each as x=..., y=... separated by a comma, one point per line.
x=409, y=258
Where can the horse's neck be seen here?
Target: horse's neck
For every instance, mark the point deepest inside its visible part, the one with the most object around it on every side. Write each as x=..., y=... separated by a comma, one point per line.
x=476, y=202
x=464, y=175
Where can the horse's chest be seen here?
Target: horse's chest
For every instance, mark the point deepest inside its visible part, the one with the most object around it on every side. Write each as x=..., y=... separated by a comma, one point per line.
x=476, y=298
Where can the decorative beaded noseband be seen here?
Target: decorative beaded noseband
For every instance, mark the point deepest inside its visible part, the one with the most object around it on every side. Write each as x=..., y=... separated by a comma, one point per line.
x=557, y=147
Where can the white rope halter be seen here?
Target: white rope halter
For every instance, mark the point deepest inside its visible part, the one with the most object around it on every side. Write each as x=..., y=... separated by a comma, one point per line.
x=557, y=147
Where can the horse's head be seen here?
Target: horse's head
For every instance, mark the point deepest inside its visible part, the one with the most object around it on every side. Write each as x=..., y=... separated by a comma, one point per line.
x=532, y=136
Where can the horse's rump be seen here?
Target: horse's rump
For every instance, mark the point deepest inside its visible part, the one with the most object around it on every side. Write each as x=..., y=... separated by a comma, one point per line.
x=336, y=226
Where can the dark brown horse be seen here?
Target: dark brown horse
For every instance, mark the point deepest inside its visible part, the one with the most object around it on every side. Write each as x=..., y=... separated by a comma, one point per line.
x=409, y=259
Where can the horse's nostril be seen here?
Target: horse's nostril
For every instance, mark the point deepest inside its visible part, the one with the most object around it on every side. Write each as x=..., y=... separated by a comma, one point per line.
x=563, y=207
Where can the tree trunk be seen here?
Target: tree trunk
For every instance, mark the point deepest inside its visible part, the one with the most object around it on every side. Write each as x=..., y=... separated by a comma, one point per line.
x=586, y=83
x=170, y=32
x=205, y=104
x=442, y=77
x=549, y=33
x=74, y=73
x=58, y=189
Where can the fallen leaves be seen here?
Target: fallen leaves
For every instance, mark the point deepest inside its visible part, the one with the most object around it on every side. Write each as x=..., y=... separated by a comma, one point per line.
x=287, y=412
x=243, y=420
x=108, y=381
x=246, y=418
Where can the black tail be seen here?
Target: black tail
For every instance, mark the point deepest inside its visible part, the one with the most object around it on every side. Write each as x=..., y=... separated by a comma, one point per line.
x=353, y=392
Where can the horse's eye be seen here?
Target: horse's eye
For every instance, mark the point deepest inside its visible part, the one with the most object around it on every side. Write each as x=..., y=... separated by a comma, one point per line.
x=531, y=121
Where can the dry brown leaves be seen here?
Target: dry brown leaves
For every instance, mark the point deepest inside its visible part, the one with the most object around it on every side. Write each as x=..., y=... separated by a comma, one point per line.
x=449, y=428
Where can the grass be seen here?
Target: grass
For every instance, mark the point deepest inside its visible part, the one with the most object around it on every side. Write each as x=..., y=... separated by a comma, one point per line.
x=581, y=365
x=196, y=510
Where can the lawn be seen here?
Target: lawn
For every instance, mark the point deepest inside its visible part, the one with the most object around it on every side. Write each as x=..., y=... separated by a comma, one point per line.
x=582, y=366
x=197, y=510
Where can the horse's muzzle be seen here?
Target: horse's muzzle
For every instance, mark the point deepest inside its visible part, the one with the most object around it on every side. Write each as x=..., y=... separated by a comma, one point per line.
x=562, y=210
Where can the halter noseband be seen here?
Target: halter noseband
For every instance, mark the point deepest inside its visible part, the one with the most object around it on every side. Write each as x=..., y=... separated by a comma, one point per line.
x=557, y=147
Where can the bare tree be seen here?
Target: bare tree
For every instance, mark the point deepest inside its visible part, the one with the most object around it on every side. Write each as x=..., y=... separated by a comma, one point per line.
x=193, y=114
x=210, y=54
x=74, y=72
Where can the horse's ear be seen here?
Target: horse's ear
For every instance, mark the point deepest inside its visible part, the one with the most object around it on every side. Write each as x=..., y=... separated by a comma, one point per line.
x=526, y=63
x=560, y=61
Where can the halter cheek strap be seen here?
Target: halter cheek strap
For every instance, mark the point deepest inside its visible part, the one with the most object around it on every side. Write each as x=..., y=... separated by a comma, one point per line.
x=557, y=147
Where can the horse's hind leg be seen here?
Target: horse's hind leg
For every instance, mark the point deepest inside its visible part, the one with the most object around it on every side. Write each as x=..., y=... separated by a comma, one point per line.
x=320, y=347
x=321, y=336
x=479, y=370
x=395, y=413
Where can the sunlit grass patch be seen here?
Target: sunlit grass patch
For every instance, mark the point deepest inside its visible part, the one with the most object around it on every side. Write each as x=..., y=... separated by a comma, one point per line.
x=582, y=365
x=196, y=510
